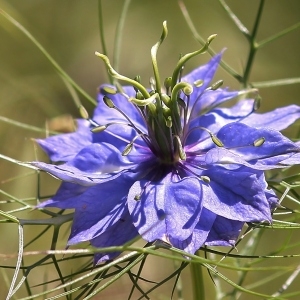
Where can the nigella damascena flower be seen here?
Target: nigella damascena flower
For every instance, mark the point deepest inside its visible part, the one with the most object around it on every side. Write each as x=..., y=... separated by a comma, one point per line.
x=169, y=164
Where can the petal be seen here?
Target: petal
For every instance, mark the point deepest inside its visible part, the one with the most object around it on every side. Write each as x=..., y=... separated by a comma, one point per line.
x=224, y=232
x=231, y=160
x=183, y=204
x=64, y=147
x=98, y=208
x=66, y=196
x=277, y=119
x=213, y=121
x=236, y=195
x=147, y=213
x=168, y=209
x=241, y=138
x=199, y=235
x=118, y=234
x=210, y=99
x=90, y=166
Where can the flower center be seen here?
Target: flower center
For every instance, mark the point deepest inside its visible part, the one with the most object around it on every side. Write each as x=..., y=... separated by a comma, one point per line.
x=163, y=110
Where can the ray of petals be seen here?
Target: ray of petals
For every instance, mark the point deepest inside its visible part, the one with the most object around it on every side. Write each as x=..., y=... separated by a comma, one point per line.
x=64, y=147
x=240, y=138
x=277, y=119
x=213, y=121
x=230, y=160
x=210, y=99
x=224, y=232
x=90, y=166
x=236, y=195
x=167, y=209
x=118, y=234
x=291, y=160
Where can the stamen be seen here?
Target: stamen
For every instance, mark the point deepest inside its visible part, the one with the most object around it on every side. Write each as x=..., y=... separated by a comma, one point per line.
x=181, y=152
x=216, y=140
x=259, y=142
x=108, y=102
x=143, y=102
x=206, y=179
x=257, y=102
x=167, y=84
x=83, y=112
x=109, y=90
x=187, y=57
x=85, y=115
x=154, y=50
x=216, y=85
x=100, y=128
x=213, y=137
x=198, y=83
x=127, y=149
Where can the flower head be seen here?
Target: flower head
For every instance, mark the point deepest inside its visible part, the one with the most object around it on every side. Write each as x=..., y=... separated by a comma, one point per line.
x=168, y=163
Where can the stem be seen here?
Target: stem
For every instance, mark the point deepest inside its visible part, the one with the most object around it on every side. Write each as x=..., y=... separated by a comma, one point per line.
x=118, y=37
x=253, y=44
x=101, y=31
x=197, y=281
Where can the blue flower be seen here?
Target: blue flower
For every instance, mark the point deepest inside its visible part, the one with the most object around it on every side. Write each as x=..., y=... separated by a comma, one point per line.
x=169, y=164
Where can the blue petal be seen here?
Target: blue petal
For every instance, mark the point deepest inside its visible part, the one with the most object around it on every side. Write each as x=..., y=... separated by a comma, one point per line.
x=64, y=147
x=213, y=121
x=210, y=99
x=90, y=166
x=118, y=234
x=168, y=209
x=236, y=195
x=241, y=138
x=199, y=235
x=277, y=119
x=224, y=232
x=98, y=208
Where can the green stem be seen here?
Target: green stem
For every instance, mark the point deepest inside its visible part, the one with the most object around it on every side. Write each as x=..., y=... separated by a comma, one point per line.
x=197, y=281
x=47, y=55
x=101, y=31
x=253, y=44
x=202, y=41
x=278, y=35
x=118, y=36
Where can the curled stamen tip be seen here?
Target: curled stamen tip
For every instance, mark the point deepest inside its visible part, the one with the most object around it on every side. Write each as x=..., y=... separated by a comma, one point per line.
x=188, y=90
x=211, y=38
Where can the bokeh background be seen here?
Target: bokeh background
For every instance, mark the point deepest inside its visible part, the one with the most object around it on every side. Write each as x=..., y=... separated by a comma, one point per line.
x=32, y=92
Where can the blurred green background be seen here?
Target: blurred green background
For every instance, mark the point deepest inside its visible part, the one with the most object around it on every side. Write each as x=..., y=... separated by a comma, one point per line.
x=32, y=92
